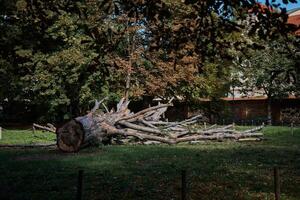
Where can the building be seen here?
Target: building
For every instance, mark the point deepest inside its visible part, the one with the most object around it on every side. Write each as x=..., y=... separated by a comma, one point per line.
x=294, y=18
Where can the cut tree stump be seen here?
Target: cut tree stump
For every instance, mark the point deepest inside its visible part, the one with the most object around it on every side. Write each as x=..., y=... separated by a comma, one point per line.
x=98, y=127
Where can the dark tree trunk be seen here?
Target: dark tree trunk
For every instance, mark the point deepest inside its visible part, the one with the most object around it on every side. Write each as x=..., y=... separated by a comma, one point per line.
x=269, y=111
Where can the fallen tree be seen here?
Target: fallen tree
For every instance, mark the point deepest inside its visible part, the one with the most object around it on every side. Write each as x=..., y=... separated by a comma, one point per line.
x=144, y=126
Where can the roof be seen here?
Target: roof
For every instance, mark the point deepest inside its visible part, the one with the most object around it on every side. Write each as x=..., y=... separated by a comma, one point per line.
x=255, y=98
x=294, y=18
x=295, y=11
x=244, y=98
x=247, y=98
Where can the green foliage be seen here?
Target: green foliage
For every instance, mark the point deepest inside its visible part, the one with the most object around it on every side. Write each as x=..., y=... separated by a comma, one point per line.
x=58, y=56
x=270, y=69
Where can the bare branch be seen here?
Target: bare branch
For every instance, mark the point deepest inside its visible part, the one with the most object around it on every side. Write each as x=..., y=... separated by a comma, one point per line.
x=148, y=124
x=50, y=129
x=185, y=121
x=134, y=117
x=97, y=104
x=211, y=127
x=253, y=129
x=140, y=128
x=106, y=109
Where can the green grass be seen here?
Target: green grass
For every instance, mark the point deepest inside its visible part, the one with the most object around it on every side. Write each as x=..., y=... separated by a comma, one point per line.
x=26, y=137
x=215, y=170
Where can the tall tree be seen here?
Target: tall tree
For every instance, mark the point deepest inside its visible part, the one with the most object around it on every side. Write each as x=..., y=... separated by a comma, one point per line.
x=269, y=71
x=61, y=54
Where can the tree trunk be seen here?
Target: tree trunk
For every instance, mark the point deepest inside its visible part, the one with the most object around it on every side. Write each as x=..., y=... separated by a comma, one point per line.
x=269, y=111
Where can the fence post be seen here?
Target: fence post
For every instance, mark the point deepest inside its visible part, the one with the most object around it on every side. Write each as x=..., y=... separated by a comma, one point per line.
x=0, y=133
x=33, y=129
x=183, y=185
x=204, y=125
x=276, y=183
x=79, y=185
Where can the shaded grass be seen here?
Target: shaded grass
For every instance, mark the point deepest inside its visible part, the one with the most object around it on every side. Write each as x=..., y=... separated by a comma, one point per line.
x=216, y=170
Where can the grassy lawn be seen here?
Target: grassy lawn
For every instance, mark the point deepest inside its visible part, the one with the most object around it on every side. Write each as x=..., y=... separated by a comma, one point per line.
x=215, y=170
x=26, y=137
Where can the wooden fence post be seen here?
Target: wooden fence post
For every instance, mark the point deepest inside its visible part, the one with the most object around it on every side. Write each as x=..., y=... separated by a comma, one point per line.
x=0, y=133
x=276, y=183
x=79, y=185
x=183, y=185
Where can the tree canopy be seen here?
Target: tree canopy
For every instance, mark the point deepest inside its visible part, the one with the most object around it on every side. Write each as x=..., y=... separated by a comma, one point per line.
x=59, y=55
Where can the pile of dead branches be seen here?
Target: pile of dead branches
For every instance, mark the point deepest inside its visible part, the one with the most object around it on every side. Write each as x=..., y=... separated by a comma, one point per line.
x=145, y=126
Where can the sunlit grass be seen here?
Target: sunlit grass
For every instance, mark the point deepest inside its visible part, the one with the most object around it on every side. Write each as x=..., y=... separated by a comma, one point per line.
x=26, y=137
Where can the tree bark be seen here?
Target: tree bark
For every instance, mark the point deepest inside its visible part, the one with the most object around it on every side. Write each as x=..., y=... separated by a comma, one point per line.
x=269, y=111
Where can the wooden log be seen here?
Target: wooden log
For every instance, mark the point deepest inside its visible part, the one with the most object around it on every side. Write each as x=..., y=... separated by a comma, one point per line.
x=140, y=128
x=218, y=137
x=70, y=136
x=193, y=120
x=148, y=124
x=151, y=142
x=211, y=127
x=50, y=129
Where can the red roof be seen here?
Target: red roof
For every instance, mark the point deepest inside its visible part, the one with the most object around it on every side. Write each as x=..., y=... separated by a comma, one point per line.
x=254, y=98
x=295, y=19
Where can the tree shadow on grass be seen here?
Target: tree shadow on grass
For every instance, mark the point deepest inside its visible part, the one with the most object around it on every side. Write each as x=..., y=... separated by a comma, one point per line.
x=222, y=171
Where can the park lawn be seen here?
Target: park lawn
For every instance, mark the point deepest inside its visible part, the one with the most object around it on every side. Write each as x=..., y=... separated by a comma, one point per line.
x=215, y=170
x=27, y=137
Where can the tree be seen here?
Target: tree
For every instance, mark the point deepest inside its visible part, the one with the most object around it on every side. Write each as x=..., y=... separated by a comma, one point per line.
x=270, y=70
x=59, y=55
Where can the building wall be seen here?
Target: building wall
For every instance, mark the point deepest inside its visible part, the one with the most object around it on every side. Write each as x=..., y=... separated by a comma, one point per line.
x=240, y=111
x=248, y=109
x=283, y=111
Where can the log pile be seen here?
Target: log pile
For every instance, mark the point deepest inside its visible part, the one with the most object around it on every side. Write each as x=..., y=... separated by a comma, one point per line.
x=145, y=126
